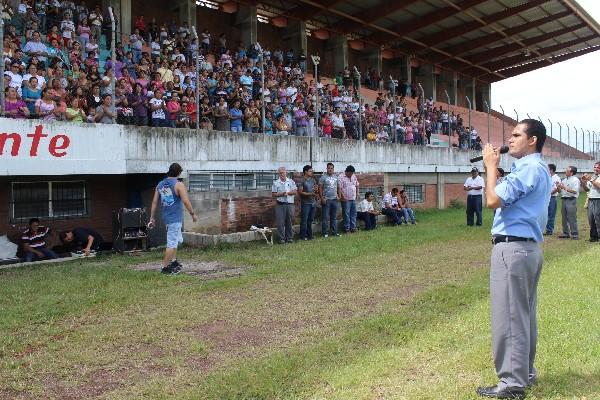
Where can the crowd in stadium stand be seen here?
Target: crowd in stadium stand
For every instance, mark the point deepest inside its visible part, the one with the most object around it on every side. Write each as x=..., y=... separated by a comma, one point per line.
x=58, y=67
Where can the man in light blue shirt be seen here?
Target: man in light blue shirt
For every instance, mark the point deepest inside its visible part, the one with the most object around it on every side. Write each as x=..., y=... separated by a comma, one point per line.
x=522, y=201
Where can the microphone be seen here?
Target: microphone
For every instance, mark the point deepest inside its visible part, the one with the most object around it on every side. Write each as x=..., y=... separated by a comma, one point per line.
x=503, y=149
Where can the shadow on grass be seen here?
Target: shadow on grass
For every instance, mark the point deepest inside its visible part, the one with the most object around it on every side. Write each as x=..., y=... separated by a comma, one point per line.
x=568, y=384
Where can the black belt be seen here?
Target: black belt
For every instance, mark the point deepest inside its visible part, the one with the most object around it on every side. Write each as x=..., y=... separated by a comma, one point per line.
x=568, y=198
x=283, y=203
x=507, y=239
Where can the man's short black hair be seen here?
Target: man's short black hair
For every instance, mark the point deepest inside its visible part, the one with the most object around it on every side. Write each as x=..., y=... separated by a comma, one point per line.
x=34, y=220
x=306, y=168
x=573, y=169
x=63, y=235
x=537, y=129
x=330, y=163
x=368, y=194
x=552, y=167
x=174, y=170
x=350, y=168
x=394, y=190
x=501, y=171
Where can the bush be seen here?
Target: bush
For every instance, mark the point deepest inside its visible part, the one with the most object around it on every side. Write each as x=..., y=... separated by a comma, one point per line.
x=457, y=204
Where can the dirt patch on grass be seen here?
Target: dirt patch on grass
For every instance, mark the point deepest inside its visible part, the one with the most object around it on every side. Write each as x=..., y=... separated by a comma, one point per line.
x=206, y=270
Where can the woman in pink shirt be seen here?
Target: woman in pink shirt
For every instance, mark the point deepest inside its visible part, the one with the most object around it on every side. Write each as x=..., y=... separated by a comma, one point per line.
x=173, y=108
x=13, y=106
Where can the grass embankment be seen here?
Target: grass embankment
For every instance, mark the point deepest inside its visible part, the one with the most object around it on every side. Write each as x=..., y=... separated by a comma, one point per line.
x=399, y=313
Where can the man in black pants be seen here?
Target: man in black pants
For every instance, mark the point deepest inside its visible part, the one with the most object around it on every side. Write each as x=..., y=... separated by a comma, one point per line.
x=474, y=186
x=86, y=238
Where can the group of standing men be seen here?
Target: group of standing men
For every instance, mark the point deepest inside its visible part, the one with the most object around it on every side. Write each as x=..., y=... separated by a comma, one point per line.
x=330, y=190
x=569, y=189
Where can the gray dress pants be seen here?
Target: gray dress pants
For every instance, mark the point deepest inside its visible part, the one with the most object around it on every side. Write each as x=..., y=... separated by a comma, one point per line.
x=284, y=216
x=515, y=272
x=569, y=216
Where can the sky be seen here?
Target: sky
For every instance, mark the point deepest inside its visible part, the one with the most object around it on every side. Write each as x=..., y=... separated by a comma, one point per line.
x=567, y=92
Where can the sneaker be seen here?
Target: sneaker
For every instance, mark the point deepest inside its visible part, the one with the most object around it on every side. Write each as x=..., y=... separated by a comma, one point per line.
x=177, y=267
x=563, y=236
x=593, y=240
x=337, y=234
x=575, y=237
x=325, y=235
x=168, y=270
x=289, y=241
x=305, y=239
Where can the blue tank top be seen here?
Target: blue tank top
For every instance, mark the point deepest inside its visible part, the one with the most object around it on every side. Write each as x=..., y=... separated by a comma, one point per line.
x=170, y=202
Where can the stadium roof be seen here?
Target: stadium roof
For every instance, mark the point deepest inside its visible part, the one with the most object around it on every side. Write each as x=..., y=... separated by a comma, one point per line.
x=488, y=39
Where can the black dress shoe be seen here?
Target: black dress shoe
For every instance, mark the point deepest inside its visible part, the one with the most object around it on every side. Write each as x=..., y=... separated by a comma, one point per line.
x=506, y=393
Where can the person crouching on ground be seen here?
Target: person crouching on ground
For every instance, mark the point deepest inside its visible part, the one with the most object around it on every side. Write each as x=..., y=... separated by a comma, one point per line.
x=173, y=196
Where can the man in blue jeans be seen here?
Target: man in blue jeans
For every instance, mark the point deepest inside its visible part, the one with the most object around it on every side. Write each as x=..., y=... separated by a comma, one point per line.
x=172, y=195
x=34, y=242
x=553, y=200
x=348, y=183
x=308, y=204
x=330, y=196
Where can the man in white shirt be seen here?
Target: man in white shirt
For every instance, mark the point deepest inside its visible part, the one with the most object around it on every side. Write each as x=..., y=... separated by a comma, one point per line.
x=16, y=79
x=284, y=191
x=391, y=206
x=367, y=213
x=337, y=121
x=35, y=48
x=569, y=192
x=552, y=206
x=41, y=81
x=474, y=187
x=591, y=184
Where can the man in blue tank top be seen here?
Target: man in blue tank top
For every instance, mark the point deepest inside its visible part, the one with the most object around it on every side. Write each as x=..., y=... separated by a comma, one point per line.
x=173, y=196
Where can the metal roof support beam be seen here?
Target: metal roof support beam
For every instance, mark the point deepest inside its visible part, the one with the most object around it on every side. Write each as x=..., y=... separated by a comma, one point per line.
x=461, y=29
x=374, y=14
x=426, y=20
x=540, y=64
x=494, y=37
x=521, y=58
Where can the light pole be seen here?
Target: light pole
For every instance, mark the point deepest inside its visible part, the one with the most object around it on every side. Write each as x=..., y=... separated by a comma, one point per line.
x=316, y=60
x=393, y=84
x=503, y=116
x=358, y=78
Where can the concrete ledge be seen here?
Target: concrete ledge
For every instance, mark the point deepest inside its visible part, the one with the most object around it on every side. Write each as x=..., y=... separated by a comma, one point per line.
x=204, y=240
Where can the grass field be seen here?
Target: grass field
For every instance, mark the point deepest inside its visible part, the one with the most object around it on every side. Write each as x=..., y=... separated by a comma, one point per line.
x=399, y=313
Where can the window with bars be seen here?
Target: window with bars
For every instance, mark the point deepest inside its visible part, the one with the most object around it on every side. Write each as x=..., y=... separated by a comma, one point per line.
x=227, y=180
x=48, y=200
x=415, y=193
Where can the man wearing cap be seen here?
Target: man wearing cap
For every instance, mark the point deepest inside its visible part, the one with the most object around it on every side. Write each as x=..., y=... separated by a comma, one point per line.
x=522, y=202
x=474, y=186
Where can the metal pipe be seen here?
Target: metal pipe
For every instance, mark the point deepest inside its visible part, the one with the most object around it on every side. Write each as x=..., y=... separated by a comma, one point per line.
x=560, y=149
x=528, y=116
x=551, y=139
x=576, y=144
x=568, y=141
x=316, y=60
x=197, y=89
x=393, y=87
x=262, y=87
x=503, y=117
x=596, y=144
x=357, y=76
x=590, y=144
x=113, y=57
x=448, y=100
x=2, y=67
x=423, y=114
x=517, y=114
x=470, y=127
x=488, y=118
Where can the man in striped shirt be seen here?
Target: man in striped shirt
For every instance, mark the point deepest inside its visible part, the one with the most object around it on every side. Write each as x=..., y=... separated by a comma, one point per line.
x=34, y=242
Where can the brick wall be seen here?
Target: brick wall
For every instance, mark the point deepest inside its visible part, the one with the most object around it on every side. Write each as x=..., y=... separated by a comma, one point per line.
x=107, y=193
